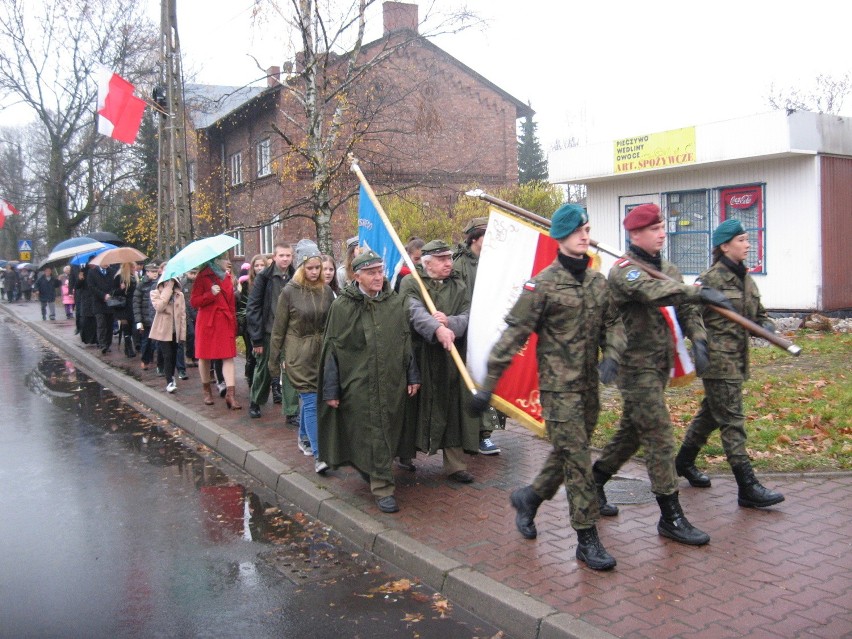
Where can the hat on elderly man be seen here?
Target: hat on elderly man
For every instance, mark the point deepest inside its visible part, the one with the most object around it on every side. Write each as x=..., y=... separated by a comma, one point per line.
x=436, y=248
x=641, y=216
x=305, y=250
x=567, y=219
x=367, y=259
x=727, y=231
x=475, y=223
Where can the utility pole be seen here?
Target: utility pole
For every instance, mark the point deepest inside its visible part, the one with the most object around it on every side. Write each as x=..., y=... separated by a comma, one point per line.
x=173, y=214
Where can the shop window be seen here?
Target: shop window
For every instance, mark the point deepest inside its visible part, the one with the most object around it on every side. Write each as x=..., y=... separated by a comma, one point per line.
x=745, y=203
x=689, y=226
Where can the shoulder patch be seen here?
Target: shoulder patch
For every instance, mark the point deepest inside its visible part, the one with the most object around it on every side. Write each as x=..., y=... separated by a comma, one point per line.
x=633, y=275
x=622, y=262
x=529, y=286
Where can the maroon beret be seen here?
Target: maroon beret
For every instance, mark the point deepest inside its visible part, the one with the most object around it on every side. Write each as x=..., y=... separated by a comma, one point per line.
x=642, y=216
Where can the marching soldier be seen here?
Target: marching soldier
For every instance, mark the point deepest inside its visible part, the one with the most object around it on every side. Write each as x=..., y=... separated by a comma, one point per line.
x=646, y=363
x=569, y=308
x=722, y=406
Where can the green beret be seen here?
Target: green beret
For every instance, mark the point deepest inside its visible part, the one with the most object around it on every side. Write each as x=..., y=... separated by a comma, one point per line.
x=366, y=260
x=727, y=231
x=567, y=219
x=475, y=223
x=437, y=247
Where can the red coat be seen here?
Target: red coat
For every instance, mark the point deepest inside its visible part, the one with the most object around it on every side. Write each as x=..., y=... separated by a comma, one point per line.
x=216, y=321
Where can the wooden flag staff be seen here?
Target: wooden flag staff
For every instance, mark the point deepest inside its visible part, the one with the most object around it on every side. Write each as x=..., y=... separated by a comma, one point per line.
x=751, y=327
x=468, y=380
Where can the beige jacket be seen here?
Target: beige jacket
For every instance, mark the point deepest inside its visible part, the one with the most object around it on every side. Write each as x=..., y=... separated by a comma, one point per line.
x=170, y=317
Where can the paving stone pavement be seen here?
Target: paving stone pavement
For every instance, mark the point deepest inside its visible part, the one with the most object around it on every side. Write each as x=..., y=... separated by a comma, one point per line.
x=781, y=572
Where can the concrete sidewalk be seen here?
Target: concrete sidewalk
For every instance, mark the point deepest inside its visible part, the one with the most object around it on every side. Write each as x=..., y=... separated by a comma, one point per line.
x=780, y=572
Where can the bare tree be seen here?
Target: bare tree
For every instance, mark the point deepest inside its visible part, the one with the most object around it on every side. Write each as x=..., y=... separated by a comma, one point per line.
x=46, y=63
x=826, y=95
x=341, y=104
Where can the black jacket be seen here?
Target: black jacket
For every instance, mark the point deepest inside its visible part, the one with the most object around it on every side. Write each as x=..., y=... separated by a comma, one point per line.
x=260, y=308
x=143, y=308
x=100, y=285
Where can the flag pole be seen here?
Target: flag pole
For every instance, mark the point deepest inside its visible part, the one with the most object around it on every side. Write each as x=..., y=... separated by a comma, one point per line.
x=468, y=380
x=751, y=327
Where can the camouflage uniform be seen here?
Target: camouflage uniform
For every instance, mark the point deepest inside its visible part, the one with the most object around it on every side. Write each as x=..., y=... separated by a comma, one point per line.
x=572, y=320
x=728, y=348
x=645, y=367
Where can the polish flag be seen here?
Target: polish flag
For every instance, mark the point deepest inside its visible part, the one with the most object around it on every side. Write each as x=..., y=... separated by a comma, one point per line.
x=119, y=111
x=6, y=209
x=513, y=251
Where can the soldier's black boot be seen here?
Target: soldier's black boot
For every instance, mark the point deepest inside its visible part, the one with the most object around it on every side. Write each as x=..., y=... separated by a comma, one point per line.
x=275, y=386
x=751, y=493
x=526, y=502
x=674, y=524
x=685, y=467
x=591, y=551
x=607, y=510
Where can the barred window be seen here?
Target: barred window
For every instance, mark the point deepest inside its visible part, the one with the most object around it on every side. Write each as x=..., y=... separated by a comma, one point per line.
x=689, y=224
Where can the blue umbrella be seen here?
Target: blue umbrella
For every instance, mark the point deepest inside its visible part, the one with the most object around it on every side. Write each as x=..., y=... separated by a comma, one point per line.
x=82, y=258
x=70, y=248
x=196, y=253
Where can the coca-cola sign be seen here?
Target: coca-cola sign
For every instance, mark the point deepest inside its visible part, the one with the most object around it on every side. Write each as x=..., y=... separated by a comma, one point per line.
x=742, y=200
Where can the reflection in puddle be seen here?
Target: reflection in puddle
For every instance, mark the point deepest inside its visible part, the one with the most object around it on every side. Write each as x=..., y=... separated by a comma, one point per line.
x=231, y=511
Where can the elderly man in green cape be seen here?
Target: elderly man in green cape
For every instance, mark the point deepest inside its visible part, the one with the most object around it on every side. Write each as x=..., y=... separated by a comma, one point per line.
x=367, y=375
x=443, y=419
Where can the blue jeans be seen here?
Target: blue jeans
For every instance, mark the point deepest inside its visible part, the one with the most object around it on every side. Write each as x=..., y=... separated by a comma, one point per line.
x=308, y=420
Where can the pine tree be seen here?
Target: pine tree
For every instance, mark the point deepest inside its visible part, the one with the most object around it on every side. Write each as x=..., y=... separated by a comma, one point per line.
x=532, y=164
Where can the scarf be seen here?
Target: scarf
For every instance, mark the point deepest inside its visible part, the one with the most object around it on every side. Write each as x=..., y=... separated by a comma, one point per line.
x=576, y=265
x=738, y=269
x=653, y=260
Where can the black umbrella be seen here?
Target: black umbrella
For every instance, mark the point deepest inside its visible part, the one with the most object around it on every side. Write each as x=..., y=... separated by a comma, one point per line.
x=106, y=236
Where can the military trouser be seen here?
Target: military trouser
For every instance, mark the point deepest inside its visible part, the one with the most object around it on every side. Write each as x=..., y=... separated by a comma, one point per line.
x=644, y=422
x=570, y=419
x=722, y=408
x=262, y=381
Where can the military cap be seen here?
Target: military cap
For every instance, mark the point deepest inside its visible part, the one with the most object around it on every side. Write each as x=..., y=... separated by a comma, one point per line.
x=437, y=247
x=152, y=266
x=366, y=260
x=475, y=223
x=727, y=231
x=642, y=216
x=352, y=241
x=567, y=219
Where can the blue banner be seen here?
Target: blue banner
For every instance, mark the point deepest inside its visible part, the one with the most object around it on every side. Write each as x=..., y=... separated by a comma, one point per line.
x=373, y=234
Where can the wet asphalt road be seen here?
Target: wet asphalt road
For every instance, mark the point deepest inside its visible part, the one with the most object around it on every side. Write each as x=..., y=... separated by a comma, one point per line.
x=113, y=527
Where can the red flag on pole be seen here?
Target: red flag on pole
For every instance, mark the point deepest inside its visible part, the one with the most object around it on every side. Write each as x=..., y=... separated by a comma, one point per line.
x=6, y=208
x=119, y=111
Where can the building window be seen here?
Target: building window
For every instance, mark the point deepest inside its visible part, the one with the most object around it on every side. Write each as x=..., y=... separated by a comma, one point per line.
x=689, y=224
x=745, y=203
x=190, y=170
x=240, y=248
x=236, y=169
x=267, y=237
x=264, y=162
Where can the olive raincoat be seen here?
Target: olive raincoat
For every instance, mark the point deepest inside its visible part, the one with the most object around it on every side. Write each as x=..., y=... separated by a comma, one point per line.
x=367, y=365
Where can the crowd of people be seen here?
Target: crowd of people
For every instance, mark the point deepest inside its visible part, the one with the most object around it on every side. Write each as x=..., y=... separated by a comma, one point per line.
x=368, y=372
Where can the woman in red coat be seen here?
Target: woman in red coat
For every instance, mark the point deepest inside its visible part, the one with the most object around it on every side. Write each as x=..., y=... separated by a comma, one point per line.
x=216, y=325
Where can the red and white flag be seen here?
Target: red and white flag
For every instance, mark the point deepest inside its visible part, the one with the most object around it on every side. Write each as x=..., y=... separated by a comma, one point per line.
x=684, y=370
x=6, y=209
x=119, y=111
x=512, y=252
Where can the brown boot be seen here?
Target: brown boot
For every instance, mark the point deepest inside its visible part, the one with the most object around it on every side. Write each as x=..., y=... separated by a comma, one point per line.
x=231, y=400
x=208, y=394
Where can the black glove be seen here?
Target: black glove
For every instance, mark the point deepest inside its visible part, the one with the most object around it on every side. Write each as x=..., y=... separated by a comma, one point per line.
x=608, y=369
x=716, y=298
x=769, y=325
x=702, y=358
x=480, y=402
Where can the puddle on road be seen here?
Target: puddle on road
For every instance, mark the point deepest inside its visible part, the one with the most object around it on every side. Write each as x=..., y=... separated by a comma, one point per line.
x=300, y=548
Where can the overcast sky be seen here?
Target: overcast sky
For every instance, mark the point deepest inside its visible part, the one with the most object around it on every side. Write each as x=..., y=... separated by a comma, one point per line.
x=592, y=70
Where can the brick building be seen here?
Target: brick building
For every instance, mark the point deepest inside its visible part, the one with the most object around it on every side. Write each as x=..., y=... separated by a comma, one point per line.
x=418, y=120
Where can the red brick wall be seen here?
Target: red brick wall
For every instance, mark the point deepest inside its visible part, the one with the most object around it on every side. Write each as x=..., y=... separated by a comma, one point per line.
x=439, y=129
